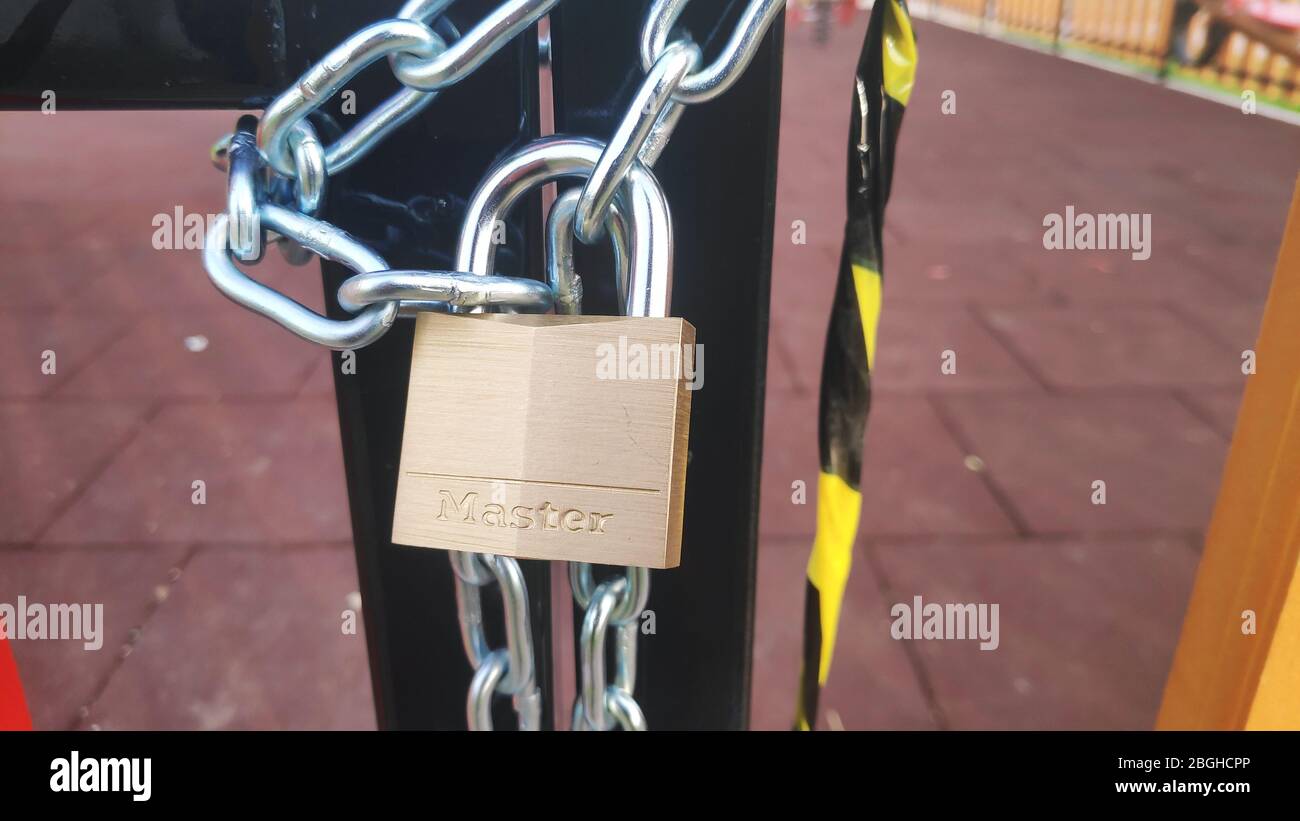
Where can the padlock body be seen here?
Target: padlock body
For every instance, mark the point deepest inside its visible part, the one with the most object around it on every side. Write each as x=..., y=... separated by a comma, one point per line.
x=547, y=437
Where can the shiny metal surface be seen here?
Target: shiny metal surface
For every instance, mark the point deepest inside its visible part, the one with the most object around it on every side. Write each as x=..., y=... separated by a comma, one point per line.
x=478, y=701
x=535, y=164
x=551, y=158
x=321, y=238
x=560, y=275
x=519, y=633
x=244, y=190
x=646, y=116
x=330, y=74
x=309, y=175
x=599, y=702
x=591, y=650
x=638, y=579
x=625, y=710
x=397, y=109
x=620, y=601
x=736, y=56
x=441, y=290
x=508, y=671
x=620, y=194
x=309, y=185
x=433, y=72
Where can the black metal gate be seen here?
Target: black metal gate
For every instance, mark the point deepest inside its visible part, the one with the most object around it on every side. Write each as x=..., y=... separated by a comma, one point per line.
x=406, y=201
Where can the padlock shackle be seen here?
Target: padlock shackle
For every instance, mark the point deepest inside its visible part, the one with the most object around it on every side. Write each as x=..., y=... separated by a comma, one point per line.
x=565, y=284
x=640, y=198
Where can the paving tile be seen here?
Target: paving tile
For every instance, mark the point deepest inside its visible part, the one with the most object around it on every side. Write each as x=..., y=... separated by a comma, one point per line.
x=1125, y=145
x=35, y=224
x=76, y=340
x=61, y=677
x=248, y=639
x=320, y=384
x=942, y=271
x=871, y=684
x=963, y=227
x=148, y=224
x=914, y=481
x=799, y=342
x=152, y=281
x=1160, y=463
x=155, y=154
x=273, y=472
x=47, y=279
x=1106, y=277
x=50, y=452
x=1242, y=263
x=782, y=374
x=913, y=333
x=803, y=278
x=1086, y=629
x=1219, y=407
x=162, y=222
x=199, y=355
x=1112, y=277
x=1235, y=324
x=808, y=226
x=149, y=281
x=59, y=274
x=914, y=341
x=1115, y=347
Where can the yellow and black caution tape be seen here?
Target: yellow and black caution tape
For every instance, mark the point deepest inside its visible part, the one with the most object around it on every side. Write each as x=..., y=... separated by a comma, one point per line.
x=886, y=69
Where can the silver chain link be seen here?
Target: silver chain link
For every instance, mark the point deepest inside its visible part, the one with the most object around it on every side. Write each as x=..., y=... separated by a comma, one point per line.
x=672, y=81
x=278, y=172
x=511, y=671
x=617, y=603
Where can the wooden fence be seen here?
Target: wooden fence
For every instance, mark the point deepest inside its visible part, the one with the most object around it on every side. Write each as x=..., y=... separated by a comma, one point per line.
x=1254, y=56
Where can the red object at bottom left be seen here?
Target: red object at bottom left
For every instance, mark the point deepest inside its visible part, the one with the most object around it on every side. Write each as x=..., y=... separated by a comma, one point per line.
x=13, y=707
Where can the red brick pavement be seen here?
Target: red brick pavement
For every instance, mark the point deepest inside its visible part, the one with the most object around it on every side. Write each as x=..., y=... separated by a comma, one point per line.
x=1072, y=366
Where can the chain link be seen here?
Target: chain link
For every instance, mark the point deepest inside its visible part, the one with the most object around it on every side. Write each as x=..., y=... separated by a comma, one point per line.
x=598, y=701
x=278, y=165
x=736, y=56
x=616, y=603
x=502, y=187
x=672, y=79
x=652, y=112
x=469, y=52
x=510, y=671
x=328, y=76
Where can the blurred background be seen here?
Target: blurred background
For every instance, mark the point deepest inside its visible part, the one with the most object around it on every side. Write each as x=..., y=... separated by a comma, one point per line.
x=1072, y=366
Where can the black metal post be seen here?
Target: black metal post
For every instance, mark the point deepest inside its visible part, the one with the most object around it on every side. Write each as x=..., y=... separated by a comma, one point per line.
x=720, y=176
x=406, y=201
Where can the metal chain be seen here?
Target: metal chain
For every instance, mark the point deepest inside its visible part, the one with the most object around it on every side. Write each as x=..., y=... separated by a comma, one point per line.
x=510, y=671
x=278, y=173
x=616, y=603
x=504, y=185
x=673, y=78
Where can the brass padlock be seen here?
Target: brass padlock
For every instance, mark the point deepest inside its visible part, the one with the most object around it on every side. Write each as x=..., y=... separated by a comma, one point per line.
x=549, y=436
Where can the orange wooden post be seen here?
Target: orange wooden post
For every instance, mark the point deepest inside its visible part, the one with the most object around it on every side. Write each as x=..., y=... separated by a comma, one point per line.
x=1223, y=676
